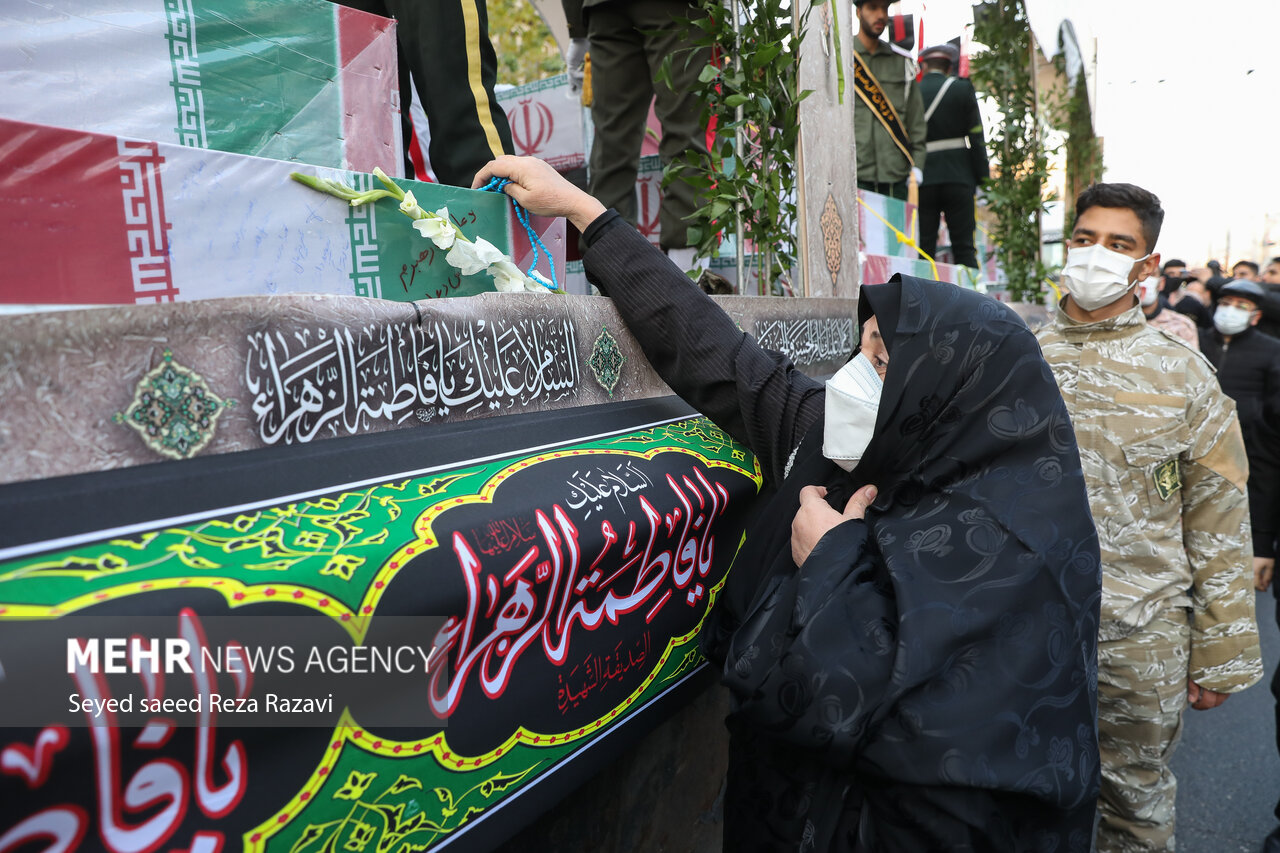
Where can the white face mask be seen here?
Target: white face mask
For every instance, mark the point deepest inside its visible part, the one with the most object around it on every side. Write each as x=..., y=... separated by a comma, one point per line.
x=1097, y=276
x=853, y=400
x=1149, y=291
x=1231, y=319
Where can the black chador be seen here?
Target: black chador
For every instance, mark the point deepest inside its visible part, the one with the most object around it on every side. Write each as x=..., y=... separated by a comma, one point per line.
x=927, y=679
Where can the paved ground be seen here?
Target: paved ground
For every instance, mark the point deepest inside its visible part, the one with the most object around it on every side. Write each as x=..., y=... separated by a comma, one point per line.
x=1227, y=767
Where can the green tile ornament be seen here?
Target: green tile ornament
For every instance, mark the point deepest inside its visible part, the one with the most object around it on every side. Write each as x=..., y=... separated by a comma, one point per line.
x=174, y=410
x=606, y=360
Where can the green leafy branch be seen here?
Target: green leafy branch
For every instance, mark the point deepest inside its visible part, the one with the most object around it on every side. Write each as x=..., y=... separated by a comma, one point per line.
x=1015, y=192
x=759, y=96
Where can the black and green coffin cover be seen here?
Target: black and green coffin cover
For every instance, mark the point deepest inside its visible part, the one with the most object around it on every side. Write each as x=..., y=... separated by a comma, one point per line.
x=567, y=559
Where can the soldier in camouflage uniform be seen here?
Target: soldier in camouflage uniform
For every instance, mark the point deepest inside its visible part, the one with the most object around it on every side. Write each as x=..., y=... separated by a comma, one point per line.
x=1165, y=467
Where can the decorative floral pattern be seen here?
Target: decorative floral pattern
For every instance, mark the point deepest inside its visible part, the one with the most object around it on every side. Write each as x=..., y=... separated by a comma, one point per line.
x=174, y=410
x=831, y=228
x=606, y=360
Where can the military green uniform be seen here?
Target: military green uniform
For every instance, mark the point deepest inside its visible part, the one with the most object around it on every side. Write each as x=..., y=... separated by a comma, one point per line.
x=882, y=167
x=629, y=40
x=573, y=18
x=1165, y=468
x=957, y=163
x=445, y=44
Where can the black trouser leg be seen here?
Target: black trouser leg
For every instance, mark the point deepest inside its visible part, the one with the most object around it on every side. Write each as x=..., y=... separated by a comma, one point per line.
x=621, y=93
x=446, y=45
x=957, y=206
x=930, y=218
x=1275, y=687
x=678, y=108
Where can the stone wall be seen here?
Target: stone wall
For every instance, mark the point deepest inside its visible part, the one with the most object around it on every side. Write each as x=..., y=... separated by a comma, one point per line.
x=109, y=388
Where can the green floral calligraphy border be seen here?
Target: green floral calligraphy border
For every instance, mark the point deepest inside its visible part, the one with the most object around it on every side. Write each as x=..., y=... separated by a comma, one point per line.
x=333, y=554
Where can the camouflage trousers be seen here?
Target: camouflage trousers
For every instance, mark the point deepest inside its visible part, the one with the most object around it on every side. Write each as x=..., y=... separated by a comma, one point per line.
x=1142, y=690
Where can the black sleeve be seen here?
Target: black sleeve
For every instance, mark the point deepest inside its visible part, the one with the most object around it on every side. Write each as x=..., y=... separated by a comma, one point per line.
x=1207, y=347
x=977, y=140
x=1271, y=382
x=755, y=395
x=573, y=17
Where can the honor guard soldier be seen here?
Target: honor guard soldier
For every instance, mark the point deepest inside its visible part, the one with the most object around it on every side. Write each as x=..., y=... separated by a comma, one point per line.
x=888, y=123
x=957, y=152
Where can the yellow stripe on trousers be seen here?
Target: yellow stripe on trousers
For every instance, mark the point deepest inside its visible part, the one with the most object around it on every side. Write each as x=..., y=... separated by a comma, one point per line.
x=481, y=97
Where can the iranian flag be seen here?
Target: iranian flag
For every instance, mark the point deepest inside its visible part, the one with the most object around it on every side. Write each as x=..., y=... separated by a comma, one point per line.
x=302, y=80
x=94, y=219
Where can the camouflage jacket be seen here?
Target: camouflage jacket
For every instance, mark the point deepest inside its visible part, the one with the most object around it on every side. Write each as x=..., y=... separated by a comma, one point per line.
x=878, y=158
x=1165, y=468
x=1178, y=325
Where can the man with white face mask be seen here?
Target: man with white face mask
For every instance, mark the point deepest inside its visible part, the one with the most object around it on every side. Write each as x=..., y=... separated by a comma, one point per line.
x=1248, y=364
x=1165, y=467
x=1155, y=307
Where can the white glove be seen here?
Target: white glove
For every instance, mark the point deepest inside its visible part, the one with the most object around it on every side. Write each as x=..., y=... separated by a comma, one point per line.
x=575, y=59
x=918, y=174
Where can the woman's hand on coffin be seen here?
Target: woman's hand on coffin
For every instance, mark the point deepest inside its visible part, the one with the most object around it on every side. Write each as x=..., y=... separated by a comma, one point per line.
x=541, y=189
x=816, y=517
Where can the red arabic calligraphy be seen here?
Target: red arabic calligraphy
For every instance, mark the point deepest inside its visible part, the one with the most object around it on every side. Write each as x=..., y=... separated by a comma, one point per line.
x=595, y=672
x=509, y=611
x=502, y=535
x=532, y=125
x=160, y=788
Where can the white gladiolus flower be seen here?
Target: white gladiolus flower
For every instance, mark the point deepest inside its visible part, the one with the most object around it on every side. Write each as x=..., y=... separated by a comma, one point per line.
x=507, y=277
x=470, y=258
x=438, y=229
x=409, y=207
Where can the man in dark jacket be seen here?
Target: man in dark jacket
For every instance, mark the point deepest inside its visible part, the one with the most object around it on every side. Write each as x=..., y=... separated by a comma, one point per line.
x=1194, y=298
x=957, y=161
x=1270, y=283
x=1248, y=364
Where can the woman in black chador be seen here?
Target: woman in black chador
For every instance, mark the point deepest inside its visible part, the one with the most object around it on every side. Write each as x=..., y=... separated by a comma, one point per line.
x=925, y=679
